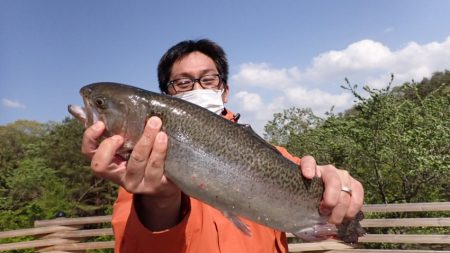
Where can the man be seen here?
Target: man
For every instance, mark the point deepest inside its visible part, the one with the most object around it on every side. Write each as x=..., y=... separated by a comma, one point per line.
x=151, y=214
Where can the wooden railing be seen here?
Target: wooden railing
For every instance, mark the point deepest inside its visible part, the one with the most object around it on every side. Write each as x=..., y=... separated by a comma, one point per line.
x=70, y=234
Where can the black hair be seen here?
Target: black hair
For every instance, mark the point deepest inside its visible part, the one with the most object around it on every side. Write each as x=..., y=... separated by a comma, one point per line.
x=182, y=49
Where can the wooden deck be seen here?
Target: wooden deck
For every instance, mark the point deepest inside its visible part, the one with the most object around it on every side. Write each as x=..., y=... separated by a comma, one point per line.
x=70, y=234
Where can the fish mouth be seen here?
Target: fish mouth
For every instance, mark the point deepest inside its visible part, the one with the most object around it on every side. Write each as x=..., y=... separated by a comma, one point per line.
x=86, y=115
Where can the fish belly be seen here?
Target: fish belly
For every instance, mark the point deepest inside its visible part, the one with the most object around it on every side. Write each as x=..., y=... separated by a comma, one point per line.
x=236, y=189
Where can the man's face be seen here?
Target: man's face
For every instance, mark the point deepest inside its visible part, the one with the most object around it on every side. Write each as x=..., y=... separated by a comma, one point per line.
x=194, y=65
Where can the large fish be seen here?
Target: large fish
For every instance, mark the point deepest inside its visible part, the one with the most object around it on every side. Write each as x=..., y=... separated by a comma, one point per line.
x=221, y=163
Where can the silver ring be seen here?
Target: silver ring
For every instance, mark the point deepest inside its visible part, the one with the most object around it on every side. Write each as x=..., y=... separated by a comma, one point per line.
x=347, y=190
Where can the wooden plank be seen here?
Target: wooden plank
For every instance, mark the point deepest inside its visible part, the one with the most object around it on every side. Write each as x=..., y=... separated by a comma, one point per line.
x=318, y=246
x=386, y=251
x=406, y=222
x=81, y=233
x=34, y=231
x=73, y=221
x=58, y=251
x=79, y=246
x=33, y=244
x=407, y=207
x=403, y=238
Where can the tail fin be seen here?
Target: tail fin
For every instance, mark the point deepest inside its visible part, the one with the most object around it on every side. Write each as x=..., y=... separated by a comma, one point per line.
x=350, y=230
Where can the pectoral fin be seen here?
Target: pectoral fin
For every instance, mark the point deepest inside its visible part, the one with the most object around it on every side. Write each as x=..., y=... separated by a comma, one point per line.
x=238, y=223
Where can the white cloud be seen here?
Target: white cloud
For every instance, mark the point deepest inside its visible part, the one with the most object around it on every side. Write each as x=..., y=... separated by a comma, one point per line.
x=363, y=62
x=254, y=111
x=321, y=101
x=257, y=112
x=250, y=102
x=12, y=103
x=262, y=75
x=364, y=54
x=359, y=58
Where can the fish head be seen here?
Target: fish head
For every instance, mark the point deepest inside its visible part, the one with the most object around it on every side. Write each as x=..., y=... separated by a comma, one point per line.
x=117, y=107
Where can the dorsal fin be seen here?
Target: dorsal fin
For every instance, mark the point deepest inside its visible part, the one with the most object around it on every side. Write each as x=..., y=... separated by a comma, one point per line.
x=249, y=128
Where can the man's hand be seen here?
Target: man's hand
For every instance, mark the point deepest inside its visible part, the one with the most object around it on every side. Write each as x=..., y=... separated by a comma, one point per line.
x=336, y=203
x=143, y=173
x=158, y=200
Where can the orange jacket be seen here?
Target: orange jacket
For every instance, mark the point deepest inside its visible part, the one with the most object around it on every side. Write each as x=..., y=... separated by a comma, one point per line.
x=203, y=229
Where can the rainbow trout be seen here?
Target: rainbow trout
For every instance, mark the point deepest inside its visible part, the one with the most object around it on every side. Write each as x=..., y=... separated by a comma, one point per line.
x=221, y=163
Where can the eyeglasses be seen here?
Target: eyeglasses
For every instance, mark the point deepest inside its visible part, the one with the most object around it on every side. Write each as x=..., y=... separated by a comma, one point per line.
x=187, y=84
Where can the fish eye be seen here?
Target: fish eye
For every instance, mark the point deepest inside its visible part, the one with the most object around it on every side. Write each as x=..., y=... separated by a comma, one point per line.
x=100, y=102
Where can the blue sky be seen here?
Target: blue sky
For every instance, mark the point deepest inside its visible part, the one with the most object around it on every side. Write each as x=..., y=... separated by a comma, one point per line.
x=281, y=53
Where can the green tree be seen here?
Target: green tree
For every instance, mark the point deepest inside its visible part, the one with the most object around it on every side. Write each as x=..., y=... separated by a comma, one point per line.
x=35, y=192
x=395, y=144
x=402, y=151
x=61, y=147
x=13, y=140
x=42, y=172
x=292, y=121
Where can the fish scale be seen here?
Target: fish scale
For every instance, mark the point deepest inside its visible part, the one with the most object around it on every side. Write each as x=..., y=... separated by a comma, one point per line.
x=221, y=163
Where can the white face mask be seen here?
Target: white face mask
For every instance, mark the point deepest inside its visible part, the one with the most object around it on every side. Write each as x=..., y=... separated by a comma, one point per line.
x=206, y=98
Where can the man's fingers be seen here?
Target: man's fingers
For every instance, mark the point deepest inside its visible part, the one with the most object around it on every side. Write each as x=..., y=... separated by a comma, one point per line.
x=331, y=195
x=308, y=166
x=357, y=198
x=341, y=209
x=90, y=136
x=141, y=152
x=104, y=156
x=155, y=167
